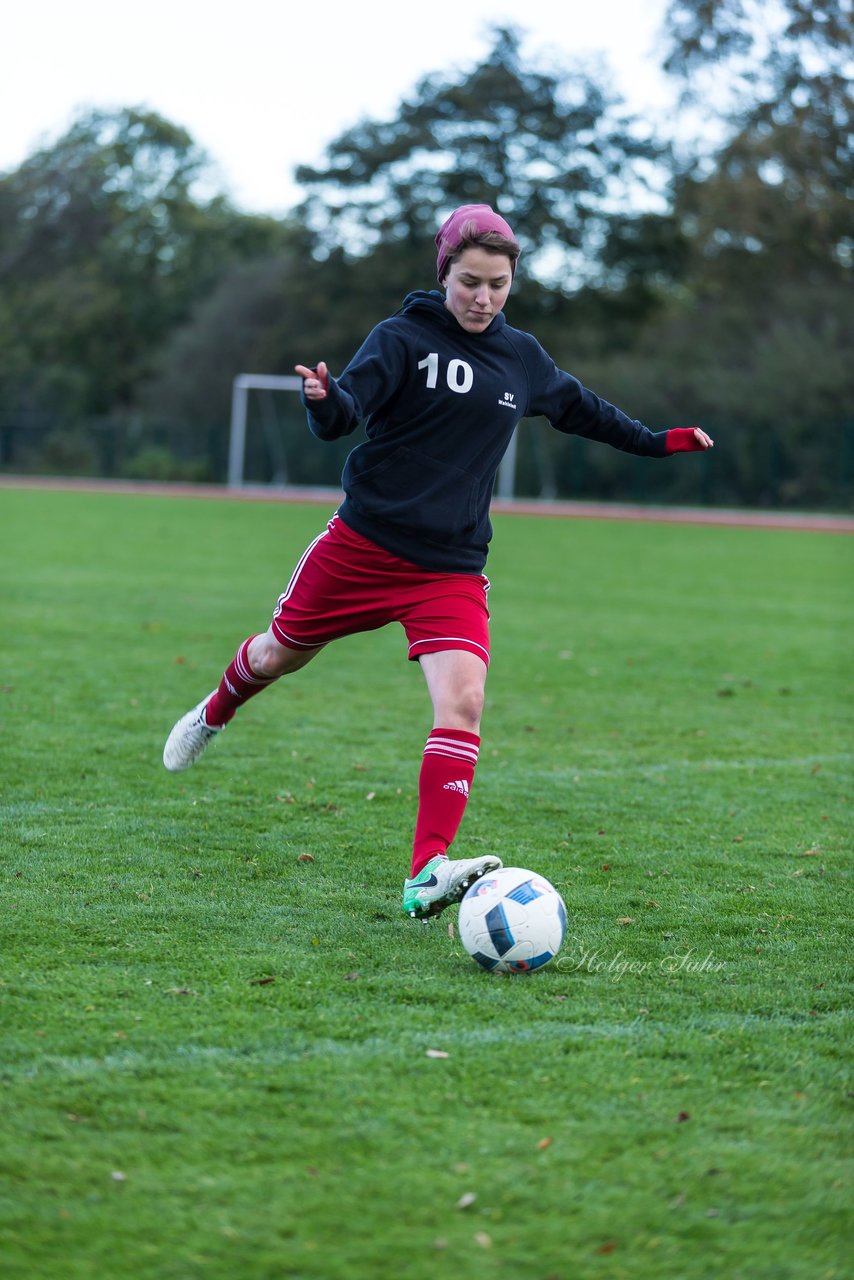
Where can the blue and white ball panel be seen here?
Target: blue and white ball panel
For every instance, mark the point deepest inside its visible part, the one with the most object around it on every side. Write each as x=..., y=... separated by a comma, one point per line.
x=498, y=926
x=528, y=890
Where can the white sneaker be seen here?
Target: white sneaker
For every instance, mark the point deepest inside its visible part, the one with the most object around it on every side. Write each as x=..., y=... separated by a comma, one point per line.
x=189, y=738
x=441, y=882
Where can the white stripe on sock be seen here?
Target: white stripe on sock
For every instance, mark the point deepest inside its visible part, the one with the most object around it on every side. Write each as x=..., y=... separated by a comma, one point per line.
x=462, y=756
x=453, y=749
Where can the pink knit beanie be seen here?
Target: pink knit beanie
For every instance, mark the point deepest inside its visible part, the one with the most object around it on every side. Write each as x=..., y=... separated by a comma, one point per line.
x=451, y=232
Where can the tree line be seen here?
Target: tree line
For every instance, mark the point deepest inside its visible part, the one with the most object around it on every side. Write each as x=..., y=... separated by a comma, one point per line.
x=685, y=284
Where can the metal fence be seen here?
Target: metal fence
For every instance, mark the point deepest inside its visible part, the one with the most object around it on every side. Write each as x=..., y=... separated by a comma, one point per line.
x=749, y=467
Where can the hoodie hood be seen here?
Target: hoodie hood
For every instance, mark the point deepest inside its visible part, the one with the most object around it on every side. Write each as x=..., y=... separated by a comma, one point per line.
x=433, y=302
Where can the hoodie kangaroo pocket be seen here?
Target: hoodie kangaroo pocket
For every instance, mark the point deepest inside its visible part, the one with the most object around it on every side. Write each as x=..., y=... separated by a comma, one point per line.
x=434, y=500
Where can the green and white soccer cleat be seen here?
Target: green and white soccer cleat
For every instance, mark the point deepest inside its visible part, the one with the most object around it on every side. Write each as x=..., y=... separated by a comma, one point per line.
x=441, y=882
x=189, y=738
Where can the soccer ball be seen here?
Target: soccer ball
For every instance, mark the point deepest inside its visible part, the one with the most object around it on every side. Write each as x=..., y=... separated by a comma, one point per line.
x=512, y=921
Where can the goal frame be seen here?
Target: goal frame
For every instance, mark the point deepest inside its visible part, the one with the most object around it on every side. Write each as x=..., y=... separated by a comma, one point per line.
x=246, y=382
x=240, y=388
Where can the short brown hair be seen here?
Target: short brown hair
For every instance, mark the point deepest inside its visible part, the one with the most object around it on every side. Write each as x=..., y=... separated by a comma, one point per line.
x=491, y=241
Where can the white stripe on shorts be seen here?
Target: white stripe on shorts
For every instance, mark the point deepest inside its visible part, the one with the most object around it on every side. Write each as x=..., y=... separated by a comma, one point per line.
x=461, y=640
x=289, y=589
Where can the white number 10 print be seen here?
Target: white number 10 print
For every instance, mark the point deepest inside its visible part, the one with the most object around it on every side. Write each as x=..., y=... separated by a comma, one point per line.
x=459, y=375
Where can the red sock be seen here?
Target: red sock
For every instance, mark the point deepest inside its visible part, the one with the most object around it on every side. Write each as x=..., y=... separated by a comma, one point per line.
x=447, y=770
x=238, y=685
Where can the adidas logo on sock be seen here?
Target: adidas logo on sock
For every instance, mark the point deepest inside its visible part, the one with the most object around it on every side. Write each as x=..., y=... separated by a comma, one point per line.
x=462, y=786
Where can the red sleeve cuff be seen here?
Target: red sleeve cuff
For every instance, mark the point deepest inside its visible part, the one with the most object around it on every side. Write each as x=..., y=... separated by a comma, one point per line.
x=682, y=440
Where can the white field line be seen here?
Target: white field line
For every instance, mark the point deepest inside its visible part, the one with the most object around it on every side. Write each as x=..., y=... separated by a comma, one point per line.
x=493, y=778
x=397, y=1048
x=751, y=762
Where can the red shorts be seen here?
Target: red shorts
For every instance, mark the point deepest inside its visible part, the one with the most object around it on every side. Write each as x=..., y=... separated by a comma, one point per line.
x=345, y=583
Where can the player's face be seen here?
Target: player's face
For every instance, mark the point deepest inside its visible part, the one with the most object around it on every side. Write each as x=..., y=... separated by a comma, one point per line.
x=477, y=285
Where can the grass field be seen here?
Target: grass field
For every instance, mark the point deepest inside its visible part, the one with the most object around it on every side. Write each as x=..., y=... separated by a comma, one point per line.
x=218, y=1030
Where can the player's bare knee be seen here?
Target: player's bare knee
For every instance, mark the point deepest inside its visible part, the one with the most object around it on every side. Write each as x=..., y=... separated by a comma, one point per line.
x=268, y=658
x=468, y=706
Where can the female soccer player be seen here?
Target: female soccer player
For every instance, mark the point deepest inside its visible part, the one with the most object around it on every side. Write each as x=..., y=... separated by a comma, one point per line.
x=441, y=386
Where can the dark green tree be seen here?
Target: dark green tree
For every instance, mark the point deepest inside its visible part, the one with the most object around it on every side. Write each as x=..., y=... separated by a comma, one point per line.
x=106, y=239
x=548, y=148
x=775, y=205
x=756, y=342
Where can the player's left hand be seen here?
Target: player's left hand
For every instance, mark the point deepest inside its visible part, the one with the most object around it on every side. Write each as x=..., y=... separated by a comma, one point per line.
x=688, y=440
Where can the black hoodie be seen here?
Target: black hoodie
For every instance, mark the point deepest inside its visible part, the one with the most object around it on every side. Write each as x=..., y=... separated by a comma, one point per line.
x=441, y=405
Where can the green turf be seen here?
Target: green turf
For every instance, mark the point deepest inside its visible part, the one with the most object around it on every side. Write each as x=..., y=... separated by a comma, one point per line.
x=215, y=1051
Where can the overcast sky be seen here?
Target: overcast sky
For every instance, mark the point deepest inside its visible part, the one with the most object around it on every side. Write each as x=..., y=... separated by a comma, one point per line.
x=265, y=85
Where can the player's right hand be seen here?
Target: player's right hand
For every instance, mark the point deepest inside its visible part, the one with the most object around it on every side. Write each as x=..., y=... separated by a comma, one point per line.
x=314, y=381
